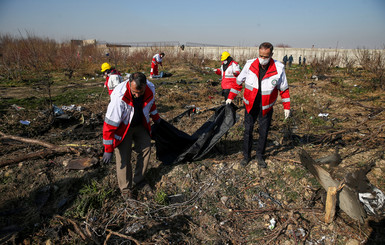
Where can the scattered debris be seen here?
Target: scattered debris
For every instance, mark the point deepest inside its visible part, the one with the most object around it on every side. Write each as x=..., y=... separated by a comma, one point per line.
x=25, y=122
x=80, y=163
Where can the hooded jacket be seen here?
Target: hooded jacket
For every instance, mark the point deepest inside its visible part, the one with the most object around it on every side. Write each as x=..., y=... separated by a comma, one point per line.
x=120, y=112
x=112, y=80
x=229, y=74
x=273, y=82
x=156, y=59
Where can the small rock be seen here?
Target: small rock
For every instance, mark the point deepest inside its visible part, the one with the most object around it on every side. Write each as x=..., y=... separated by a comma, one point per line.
x=224, y=200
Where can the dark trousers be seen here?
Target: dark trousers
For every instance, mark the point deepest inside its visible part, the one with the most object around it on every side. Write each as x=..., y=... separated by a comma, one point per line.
x=263, y=130
x=225, y=93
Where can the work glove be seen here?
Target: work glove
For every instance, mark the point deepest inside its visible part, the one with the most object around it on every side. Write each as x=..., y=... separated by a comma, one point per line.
x=228, y=101
x=287, y=113
x=107, y=156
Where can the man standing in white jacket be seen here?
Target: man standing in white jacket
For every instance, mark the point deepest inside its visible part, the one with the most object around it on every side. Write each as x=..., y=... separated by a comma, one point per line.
x=264, y=78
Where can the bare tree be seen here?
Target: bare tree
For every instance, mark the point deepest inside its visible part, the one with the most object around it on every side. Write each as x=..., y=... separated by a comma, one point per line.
x=373, y=61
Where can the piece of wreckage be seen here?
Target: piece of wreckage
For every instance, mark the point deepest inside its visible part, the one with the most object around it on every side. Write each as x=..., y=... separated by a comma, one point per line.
x=353, y=192
x=174, y=146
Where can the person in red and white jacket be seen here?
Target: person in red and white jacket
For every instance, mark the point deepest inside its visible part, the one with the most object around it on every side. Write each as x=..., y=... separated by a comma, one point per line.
x=264, y=78
x=128, y=120
x=113, y=77
x=156, y=60
x=229, y=71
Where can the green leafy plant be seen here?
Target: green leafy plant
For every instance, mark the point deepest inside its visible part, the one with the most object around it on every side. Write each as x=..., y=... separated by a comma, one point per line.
x=161, y=198
x=91, y=196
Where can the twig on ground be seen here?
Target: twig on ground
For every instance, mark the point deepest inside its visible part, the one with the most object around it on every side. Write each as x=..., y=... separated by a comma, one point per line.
x=120, y=235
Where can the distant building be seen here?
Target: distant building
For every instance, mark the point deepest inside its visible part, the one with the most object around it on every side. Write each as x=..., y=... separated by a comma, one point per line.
x=84, y=42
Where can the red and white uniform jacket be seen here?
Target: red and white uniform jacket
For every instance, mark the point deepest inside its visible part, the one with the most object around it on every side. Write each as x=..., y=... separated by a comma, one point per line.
x=229, y=77
x=273, y=81
x=156, y=60
x=120, y=112
x=112, y=80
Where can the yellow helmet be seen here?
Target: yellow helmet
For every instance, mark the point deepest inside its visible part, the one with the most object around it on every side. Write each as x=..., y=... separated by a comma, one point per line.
x=225, y=55
x=105, y=67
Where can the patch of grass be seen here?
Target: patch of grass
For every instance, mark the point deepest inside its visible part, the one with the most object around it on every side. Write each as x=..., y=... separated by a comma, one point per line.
x=280, y=183
x=76, y=96
x=161, y=198
x=317, y=121
x=314, y=182
x=292, y=195
x=300, y=100
x=297, y=173
x=5, y=180
x=211, y=206
x=91, y=196
x=255, y=234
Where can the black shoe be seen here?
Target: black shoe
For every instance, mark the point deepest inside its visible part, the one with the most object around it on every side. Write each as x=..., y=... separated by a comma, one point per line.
x=261, y=162
x=245, y=161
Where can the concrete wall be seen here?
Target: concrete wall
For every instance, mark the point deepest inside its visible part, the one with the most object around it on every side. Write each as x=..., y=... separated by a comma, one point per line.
x=241, y=54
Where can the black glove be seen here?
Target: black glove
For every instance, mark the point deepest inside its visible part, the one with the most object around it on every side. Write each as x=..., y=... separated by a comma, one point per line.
x=107, y=156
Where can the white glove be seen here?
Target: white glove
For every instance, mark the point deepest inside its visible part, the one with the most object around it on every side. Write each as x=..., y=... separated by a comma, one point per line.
x=228, y=101
x=287, y=113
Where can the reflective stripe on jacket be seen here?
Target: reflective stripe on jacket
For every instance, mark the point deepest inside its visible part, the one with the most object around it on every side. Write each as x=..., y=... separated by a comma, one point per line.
x=120, y=112
x=273, y=81
x=229, y=77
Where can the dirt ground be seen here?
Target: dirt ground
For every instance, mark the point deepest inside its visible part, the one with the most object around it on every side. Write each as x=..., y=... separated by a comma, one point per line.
x=212, y=201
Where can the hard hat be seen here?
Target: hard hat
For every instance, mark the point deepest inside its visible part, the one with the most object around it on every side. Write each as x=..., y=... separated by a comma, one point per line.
x=225, y=55
x=105, y=67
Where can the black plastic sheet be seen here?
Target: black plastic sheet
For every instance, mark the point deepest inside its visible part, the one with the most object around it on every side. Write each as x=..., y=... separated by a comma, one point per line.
x=175, y=146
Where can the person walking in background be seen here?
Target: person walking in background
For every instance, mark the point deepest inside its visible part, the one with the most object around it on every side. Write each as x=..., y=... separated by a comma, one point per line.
x=156, y=60
x=290, y=60
x=304, y=61
x=285, y=59
x=299, y=60
x=113, y=77
x=127, y=121
x=229, y=71
x=263, y=78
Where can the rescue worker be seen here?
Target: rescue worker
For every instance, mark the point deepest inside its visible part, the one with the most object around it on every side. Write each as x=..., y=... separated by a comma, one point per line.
x=113, y=77
x=263, y=78
x=156, y=60
x=290, y=60
x=285, y=60
x=229, y=71
x=127, y=121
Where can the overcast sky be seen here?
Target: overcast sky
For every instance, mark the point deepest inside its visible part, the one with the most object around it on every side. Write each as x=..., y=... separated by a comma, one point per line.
x=297, y=23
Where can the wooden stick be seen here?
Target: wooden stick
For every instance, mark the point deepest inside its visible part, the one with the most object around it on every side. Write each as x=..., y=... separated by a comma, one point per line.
x=51, y=149
x=331, y=200
x=120, y=235
x=77, y=229
x=30, y=141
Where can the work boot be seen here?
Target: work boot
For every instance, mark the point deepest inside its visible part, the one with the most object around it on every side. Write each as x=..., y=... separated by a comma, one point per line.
x=245, y=161
x=260, y=161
